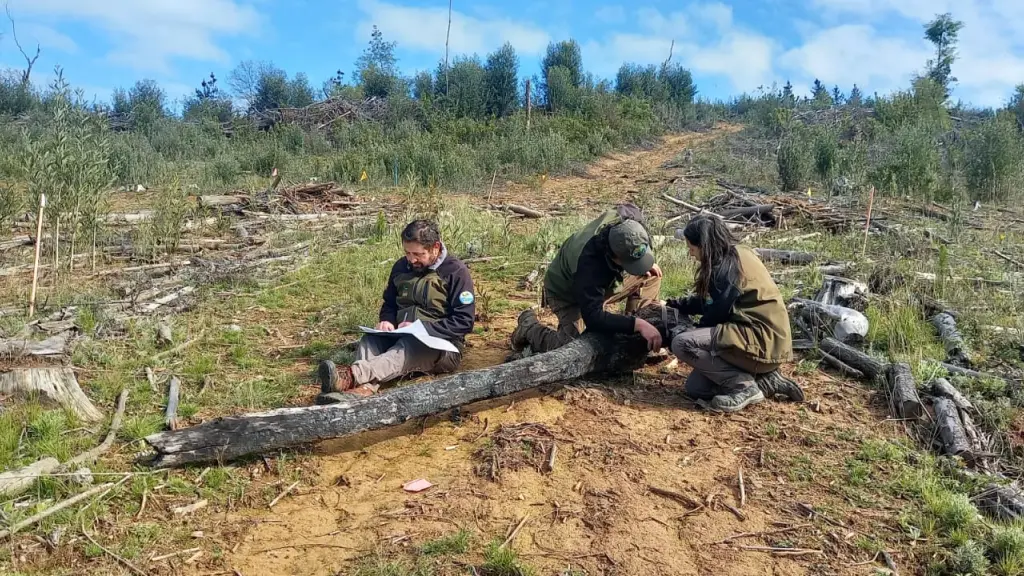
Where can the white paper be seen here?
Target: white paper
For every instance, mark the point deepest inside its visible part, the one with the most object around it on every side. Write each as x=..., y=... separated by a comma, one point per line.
x=418, y=331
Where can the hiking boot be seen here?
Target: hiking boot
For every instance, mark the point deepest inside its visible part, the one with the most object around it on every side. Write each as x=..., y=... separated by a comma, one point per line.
x=334, y=380
x=527, y=319
x=737, y=400
x=774, y=383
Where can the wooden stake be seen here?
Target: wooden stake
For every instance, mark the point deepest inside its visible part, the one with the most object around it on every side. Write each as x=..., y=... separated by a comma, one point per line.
x=867, y=223
x=35, y=267
x=446, y=37
x=528, y=104
x=743, y=490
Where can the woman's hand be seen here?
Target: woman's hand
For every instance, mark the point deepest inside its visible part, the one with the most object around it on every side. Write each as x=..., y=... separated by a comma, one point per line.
x=655, y=271
x=404, y=324
x=385, y=326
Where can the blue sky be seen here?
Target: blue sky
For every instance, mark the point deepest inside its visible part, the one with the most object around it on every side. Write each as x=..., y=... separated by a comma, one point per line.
x=731, y=46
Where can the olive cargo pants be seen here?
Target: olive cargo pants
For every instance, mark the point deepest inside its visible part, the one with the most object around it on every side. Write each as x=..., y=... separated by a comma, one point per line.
x=637, y=291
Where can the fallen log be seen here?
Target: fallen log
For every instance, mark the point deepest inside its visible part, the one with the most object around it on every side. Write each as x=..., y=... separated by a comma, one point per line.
x=17, y=242
x=213, y=201
x=55, y=383
x=943, y=389
x=961, y=371
x=844, y=292
x=950, y=429
x=1002, y=502
x=841, y=366
x=523, y=210
x=867, y=365
x=17, y=348
x=231, y=437
x=747, y=211
x=787, y=257
x=17, y=481
x=906, y=402
x=951, y=339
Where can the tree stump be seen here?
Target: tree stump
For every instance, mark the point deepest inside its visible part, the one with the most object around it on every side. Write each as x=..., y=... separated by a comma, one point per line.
x=57, y=384
x=906, y=403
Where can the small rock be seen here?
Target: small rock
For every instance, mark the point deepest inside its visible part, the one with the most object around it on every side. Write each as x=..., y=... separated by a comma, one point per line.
x=233, y=328
x=197, y=534
x=164, y=336
x=82, y=477
x=139, y=188
x=54, y=537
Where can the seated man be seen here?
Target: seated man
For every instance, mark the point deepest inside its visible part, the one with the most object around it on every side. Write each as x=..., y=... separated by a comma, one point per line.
x=429, y=285
x=581, y=280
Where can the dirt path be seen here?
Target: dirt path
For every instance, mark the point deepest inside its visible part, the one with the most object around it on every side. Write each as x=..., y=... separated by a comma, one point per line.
x=595, y=511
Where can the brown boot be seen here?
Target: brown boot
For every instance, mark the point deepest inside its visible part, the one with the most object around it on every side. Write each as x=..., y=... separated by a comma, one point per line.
x=527, y=319
x=332, y=379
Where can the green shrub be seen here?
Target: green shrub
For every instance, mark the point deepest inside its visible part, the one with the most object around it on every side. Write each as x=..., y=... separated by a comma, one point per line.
x=993, y=160
x=794, y=162
x=908, y=163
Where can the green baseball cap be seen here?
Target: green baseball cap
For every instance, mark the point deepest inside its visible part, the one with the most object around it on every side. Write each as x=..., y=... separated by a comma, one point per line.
x=632, y=246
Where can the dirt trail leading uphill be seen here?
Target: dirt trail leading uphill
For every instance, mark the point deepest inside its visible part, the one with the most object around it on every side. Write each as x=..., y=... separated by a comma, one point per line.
x=596, y=511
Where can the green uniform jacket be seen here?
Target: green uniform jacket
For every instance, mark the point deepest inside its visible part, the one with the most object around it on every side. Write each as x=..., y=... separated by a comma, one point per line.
x=558, y=280
x=759, y=322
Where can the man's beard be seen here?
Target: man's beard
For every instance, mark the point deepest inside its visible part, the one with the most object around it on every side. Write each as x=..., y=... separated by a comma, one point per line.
x=418, y=267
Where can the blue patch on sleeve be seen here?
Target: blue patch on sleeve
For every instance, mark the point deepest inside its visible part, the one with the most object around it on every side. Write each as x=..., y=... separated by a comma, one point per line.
x=466, y=298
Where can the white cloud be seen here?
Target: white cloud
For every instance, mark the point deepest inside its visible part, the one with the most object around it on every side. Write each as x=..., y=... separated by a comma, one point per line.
x=613, y=14
x=31, y=35
x=715, y=13
x=856, y=54
x=674, y=25
x=991, y=44
x=741, y=56
x=147, y=34
x=424, y=29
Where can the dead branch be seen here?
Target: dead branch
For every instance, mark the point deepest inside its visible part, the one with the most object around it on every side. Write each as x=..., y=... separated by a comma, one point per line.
x=171, y=412
x=30, y=62
x=33, y=520
x=115, y=426
x=17, y=481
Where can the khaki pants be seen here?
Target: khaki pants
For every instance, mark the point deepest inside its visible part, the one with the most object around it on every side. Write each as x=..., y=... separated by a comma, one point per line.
x=637, y=291
x=381, y=359
x=715, y=372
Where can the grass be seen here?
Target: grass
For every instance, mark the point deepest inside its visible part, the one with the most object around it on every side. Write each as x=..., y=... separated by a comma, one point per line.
x=450, y=545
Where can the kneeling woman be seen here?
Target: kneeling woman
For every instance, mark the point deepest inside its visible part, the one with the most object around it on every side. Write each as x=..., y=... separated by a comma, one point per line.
x=743, y=335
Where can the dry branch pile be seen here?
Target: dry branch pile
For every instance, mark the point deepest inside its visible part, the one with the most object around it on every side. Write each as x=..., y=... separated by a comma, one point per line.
x=745, y=205
x=321, y=115
x=513, y=447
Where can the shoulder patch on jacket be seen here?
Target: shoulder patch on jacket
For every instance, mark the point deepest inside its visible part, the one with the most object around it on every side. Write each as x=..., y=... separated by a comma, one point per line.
x=466, y=297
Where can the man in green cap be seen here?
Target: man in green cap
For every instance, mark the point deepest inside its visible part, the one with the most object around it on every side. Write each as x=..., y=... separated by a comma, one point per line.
x=581, y=281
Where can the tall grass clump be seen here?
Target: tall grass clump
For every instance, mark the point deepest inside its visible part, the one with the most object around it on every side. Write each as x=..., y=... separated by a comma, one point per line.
x=994, y=160
x=794, y=161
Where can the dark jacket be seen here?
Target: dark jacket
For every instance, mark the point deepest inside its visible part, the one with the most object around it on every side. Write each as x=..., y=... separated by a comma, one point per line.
x=751, y=315
x=441, y=296
x=582, y=273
